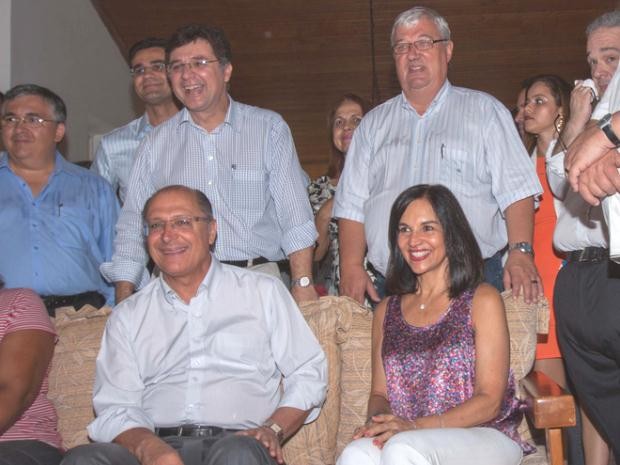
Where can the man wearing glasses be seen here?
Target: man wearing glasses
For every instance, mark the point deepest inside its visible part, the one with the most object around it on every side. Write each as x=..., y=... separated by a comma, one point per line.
x=57, y=219
x=436, y=133
x=117, y=149
x=243, y=158
x=207, y=364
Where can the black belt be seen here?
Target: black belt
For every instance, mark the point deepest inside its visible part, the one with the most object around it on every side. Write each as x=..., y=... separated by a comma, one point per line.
x=589, y=254
x=77, y=301
x=194, y=431
x=247, y=263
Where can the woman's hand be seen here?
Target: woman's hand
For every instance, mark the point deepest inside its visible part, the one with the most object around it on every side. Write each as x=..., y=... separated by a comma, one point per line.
x=382, y=427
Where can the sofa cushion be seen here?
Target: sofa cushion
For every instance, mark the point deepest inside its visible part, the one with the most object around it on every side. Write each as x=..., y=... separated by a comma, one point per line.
x=314, y=443
x=73, y=369
x=355, y=356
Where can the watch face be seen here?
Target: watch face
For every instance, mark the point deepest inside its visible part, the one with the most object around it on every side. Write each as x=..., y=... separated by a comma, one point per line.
x=304, y=281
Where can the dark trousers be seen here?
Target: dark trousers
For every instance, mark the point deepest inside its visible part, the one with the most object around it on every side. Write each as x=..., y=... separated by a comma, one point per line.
x=28, y=452
x=223, y=449
x=494, y=271
x=587, y=309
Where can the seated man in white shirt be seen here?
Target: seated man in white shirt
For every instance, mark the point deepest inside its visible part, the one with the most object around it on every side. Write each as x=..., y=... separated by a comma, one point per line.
x=209, y=363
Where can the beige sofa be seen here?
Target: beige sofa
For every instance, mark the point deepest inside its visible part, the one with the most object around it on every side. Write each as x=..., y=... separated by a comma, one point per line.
x=343, y=329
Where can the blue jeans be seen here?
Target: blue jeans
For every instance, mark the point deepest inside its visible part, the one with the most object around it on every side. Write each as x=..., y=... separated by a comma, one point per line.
x=494, y=271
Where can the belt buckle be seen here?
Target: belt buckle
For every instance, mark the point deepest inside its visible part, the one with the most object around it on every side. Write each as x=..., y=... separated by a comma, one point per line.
x=250, y=263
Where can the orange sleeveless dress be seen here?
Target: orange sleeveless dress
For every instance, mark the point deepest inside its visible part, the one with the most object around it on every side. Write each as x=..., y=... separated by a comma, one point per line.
x=546, y=259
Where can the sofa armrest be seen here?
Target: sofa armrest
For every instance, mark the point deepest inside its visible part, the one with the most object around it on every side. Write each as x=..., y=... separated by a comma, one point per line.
x=549, y=406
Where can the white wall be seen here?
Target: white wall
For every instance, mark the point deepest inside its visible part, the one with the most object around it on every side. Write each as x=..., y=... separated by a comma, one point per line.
x=5, y=45
x=64, y=45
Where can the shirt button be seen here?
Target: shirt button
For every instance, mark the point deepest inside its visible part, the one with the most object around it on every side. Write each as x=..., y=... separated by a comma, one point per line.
x=36, y=247
x=211, y=158
x=195, y=363
x=210, y=182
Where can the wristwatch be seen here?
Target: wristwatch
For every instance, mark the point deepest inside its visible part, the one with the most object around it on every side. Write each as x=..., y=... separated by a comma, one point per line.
x=273, y=426
x=605, y=125
x=304, y=281
x=524, y=247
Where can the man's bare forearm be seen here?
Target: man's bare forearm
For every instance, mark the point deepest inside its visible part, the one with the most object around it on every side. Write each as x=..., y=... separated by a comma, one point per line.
x=122, y=290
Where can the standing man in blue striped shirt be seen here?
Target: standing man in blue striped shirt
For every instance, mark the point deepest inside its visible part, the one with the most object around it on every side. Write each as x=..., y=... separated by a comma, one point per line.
x=242, y=157
x=436, y=133
x=117, y=149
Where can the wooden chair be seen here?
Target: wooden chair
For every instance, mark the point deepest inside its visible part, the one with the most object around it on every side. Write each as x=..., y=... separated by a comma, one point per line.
x=550, y=408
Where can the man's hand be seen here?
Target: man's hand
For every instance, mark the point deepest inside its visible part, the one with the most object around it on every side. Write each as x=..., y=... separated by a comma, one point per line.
x=267, y=437
x=153, y=451
x=520, y=274
x=382, y=427
x=601, y=178
x=355, y=283
x=580, y=106
x=304, y=294
x=588, y=147
x=123, y=289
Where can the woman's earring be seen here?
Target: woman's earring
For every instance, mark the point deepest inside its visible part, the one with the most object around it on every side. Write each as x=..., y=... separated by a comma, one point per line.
x=559, y=123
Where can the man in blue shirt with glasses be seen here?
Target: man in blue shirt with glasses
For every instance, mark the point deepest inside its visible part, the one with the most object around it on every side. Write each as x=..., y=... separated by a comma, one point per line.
x=57, y=219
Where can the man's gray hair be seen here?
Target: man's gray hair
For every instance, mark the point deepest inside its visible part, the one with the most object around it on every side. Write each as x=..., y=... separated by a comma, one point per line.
x=413, y=15
x=58, y=106
x=609, y=19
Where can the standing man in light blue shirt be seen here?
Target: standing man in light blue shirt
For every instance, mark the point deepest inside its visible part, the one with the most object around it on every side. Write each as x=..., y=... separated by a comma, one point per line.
x=439, y=134
x=208, y=364
x=242, y=157
x=117, y=149
x=57, y=219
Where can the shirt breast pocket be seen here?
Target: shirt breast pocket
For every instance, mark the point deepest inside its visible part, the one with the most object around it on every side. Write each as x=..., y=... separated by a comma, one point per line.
x=248, y=191
x=458, y=171
x=75, y=226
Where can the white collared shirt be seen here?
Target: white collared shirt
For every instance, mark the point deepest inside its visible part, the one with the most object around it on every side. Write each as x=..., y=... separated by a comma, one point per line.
x=466, y=140
x=218, y=360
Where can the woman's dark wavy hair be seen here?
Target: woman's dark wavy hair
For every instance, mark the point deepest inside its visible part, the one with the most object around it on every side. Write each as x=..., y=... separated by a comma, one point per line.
x=560, y=91
x=465, y=263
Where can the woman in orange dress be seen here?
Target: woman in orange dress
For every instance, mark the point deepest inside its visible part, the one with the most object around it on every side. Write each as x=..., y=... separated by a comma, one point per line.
x=547, y=107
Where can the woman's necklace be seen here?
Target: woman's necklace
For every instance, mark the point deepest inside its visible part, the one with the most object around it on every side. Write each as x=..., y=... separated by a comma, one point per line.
x=423, y=306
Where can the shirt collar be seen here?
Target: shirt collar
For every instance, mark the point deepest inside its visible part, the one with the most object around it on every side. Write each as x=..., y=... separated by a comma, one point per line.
x=60, y=164
x=231, y=119
x=437, y=101
x=208, y=282
x=144, y=126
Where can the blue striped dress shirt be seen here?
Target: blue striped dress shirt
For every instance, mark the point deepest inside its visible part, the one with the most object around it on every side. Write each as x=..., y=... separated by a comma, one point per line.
x=117, y=151
x=466, y=140
x=249, y=170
